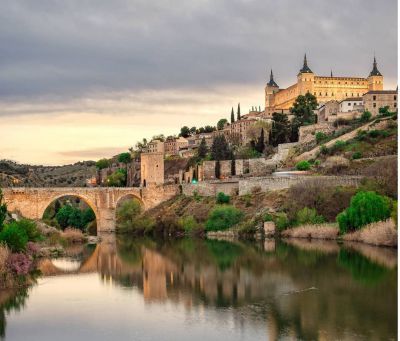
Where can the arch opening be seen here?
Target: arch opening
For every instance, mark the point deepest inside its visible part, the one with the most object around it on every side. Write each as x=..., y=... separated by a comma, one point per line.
x=71, y=211
x=128, y=208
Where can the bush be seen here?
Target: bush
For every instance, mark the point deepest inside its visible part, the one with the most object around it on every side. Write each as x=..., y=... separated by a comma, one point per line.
x=308, y=216
x=267, y=217
x=303, y=166
x=223, y=217
x=19, y=263
x=365, y=208
x=29, y=227
x=338, y=146
x=334, y=164
x=324, y=150
x=14, y=237
x=128, y=211
x=320, y=136
x=222, y=198
x=281, y=221
x=188, y=223
x=356, y=155
x=366, y=116
x=247, y=228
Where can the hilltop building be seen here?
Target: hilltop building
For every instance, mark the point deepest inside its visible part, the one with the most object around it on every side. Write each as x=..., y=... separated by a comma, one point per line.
x=325, y=88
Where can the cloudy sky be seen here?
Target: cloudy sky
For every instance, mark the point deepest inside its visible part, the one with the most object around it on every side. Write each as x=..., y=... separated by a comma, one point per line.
x=83, y=79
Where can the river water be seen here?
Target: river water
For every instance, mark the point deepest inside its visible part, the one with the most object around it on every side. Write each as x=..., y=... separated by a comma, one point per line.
x=142, y=289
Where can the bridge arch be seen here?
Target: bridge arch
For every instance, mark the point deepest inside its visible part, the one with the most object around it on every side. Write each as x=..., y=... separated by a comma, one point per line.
x=83, y=197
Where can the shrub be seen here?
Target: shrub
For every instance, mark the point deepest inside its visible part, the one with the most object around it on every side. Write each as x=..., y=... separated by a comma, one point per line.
x=324, y=150
x=14, y=237
x=73, y=236
x=29, y=227
x=365, y=208
x=267, y=217
x=196, y=196
x=128, y=211
x=335, y=164
x=361, y=134
x=308, y=216
x=320, y=136
x=281, y=221
x=187, y=223
x=19, y=263
x=222, y=198
x=356, y=155
x=303, y=166
x=366, y=116
x=223, y=217
x=338, y=146
x=247, y=228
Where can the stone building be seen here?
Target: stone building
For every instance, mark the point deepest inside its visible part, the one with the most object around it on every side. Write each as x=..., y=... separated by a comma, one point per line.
x=155, y=146
x=151, y=169
x=374, y=100
x=351, y=104
x=172, y=145
x=325, y=88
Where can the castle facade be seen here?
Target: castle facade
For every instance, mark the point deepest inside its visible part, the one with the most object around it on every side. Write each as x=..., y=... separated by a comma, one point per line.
x=325, y=88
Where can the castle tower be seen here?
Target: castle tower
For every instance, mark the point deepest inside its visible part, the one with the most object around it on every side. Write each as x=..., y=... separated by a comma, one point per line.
x=270, y=90
x=375, y=78
x=305, y=78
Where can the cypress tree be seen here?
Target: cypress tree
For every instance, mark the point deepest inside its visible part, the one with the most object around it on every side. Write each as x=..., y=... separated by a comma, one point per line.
x=238, y=112
x=260, y=143
x=232, y=116
x=203, y=149
x=217, y=169
x=233, y=164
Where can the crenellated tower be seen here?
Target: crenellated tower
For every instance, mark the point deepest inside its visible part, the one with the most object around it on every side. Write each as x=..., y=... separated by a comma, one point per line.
x=375, y=78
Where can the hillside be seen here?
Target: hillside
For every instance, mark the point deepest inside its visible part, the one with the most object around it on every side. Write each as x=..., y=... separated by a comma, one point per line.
x=14, y=174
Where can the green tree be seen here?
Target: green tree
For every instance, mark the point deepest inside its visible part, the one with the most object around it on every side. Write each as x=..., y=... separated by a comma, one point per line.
x=102, y=163
x=280, y=131
x=185, y=131
x=366, y=116
x=193, y=130
x=223, y=217
x=203, y=149
x=14, y=237
x=233, y=164
x=63, y=215
x=238, y=112
x=125, y=158
x=3, y=210
x=365, y=208
x=217, y=169
x=117, y=179
x=303, y=111
x=260, y=142
x=221, y=123
x=232, y=116
x=220, y=148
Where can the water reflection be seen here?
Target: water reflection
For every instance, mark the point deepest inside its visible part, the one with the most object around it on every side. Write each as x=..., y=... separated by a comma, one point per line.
x=295, y=289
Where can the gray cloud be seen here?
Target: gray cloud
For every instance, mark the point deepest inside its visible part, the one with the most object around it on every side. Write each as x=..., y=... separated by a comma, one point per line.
x=67, y=49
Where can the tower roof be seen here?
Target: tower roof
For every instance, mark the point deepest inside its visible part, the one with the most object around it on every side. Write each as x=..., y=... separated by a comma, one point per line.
x=305, y=68
x=271, y=80
x=375, y=71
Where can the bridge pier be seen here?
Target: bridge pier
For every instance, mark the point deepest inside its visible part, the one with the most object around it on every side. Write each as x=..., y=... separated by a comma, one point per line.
x=106, y=220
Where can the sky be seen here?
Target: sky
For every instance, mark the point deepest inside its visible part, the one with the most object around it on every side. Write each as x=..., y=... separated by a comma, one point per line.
x=86, y=79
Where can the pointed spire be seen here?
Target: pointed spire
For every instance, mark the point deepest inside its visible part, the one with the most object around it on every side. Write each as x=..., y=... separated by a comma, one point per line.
x=331, y=73
x=375, y=71
x=271, y=80
x=238, y=113
x=305, y=68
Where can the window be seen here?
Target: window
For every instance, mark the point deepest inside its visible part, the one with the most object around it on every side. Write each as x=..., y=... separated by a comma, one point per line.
x=395, y=105
x=349, y=104
x=320, y=93
x=315, y=94
x=395, y=97
x=374, y=98
x=326, y=94
x=374, y=105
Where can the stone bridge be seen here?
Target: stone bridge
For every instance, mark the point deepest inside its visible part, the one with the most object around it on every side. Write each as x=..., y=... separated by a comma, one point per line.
x=32, y=202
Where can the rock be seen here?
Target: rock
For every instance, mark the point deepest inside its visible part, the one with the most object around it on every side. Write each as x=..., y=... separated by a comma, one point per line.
x=269, y=229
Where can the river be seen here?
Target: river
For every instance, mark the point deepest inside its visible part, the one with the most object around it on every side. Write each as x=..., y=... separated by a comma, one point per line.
x=143, y=289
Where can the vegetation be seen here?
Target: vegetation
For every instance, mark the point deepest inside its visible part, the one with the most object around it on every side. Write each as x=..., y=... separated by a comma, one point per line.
x=303, y=166
x=220, y=149
x=308, y=216
x=366, y=116
x=3, y=210
x=365, y=208
x=102, y=163
x=222, y=198
x=117, y=179
x=221, y=123
x=280, y=132
x=223, y=217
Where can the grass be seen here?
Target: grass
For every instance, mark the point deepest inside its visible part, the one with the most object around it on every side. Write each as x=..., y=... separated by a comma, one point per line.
x=310, y=231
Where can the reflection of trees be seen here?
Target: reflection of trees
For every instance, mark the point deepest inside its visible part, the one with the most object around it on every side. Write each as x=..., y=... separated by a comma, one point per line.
x=360, y=267
x=11, y=301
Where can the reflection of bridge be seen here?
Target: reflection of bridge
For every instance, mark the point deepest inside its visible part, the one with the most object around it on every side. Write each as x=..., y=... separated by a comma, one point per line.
x=32, y=202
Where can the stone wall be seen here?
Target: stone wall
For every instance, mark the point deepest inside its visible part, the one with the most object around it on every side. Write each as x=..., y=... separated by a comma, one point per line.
x=272, y=183
x=307, y=133
x=211, y=188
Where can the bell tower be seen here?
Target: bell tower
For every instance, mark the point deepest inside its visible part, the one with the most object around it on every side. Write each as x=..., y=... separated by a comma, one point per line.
x=375, y=78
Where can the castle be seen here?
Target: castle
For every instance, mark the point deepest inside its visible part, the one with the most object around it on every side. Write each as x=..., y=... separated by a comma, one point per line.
x=324, y=88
